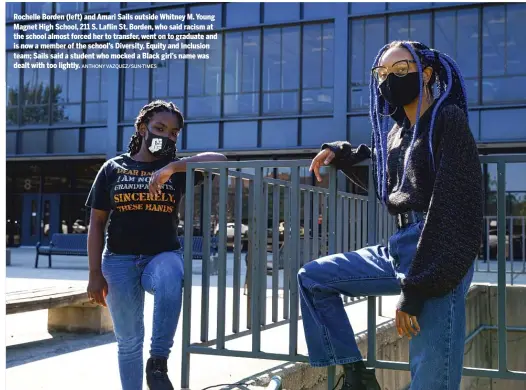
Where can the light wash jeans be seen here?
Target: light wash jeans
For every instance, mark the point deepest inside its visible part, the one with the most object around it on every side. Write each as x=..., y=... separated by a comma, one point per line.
x=128, y=277
x=436, y=354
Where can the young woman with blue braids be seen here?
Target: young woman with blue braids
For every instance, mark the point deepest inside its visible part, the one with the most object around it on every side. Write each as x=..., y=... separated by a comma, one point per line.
x=427, y=173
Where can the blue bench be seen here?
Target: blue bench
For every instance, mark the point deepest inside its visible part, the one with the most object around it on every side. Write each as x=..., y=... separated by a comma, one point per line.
x=65, y=245
x=197, y=250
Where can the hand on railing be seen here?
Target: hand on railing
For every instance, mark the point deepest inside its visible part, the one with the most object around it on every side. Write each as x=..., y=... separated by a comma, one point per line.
x=322, y=159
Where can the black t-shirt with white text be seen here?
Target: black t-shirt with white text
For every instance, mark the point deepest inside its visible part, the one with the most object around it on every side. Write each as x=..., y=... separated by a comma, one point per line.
x=139, y=223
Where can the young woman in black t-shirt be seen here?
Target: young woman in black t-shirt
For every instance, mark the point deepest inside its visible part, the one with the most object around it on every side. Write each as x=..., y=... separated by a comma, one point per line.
x=139, y=192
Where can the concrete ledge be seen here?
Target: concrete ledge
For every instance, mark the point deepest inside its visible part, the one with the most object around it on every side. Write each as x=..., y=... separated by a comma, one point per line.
x=481, y=307
x=81, y=318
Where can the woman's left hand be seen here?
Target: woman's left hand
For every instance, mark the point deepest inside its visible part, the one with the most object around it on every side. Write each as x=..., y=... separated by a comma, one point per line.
x=406, y=325
x=160, y=177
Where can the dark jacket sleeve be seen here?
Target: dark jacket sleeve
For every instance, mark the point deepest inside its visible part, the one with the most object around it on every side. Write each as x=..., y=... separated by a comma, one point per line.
x=450, y=239
x=345, y=156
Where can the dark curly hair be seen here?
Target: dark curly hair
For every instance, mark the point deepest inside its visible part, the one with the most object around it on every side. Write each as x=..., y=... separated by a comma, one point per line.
x=146, y=113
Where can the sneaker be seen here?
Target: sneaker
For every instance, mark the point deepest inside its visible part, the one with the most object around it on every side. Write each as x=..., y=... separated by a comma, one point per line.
x=358, y=377
x=157, y=374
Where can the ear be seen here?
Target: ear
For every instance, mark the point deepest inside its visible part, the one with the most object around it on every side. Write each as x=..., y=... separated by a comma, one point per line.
x=143, y=130
x=427, y=74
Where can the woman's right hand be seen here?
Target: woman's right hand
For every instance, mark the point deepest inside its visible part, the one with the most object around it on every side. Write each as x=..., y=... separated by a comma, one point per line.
x=97, y=288
x=323, y=158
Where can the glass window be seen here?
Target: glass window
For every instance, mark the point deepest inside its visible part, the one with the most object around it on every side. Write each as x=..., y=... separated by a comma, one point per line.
x=398, y=28
x=241, y=104
x=398, y=6
x=96, y=90
x=281, y=12
x=491, y=123
x=317, y=100
x=12, y=8
x=66, y=113
x=317, y=39
x=515, y=42
x=132, y=108
x=169, y=77
x=316, y=131
x=242, y=73
x=319, y=10
x=366, y=8
x=240, y=135
x=33, y=142
x=36, y=95
x=135, y=86
x=39, y=8
x=95, y=6
x=10, y=139
x=96, y=112
x=69, y=7
x=504, y=89
x=203, y=106
x=12, y=81
x=457, y=35
x=214, y=9
x=95, y=140
x=467, y=51
x=202, y=136
x=415, y=27
x=204, y=82
x=368, y=37
x=97, y=85
x=420, y=28
x=503, y=54
x=126, y=133
x=494, y=40
x=359, y=130
x=474, y=123
x=65, y=141
x=318, y=69
x=279, y=133
x=9, y=36
x=68, y=82
x=137, y=4
x=281, y=63
x=242, y=14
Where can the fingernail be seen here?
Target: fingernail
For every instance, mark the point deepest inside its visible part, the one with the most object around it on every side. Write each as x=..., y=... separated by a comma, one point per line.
x=326, y=162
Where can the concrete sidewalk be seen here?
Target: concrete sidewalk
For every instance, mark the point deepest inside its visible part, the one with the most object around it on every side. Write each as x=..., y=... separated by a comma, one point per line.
x=37, y=360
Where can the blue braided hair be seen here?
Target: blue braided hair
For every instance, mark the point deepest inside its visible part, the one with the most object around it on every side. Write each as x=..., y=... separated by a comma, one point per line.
x=450, y=88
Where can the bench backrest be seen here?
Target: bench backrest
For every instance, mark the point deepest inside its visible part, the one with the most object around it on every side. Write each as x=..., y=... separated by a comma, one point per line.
x=70, y=241
x=197, y=244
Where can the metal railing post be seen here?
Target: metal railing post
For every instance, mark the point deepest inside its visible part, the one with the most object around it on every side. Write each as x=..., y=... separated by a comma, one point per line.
x=501, y=259
x=332, y=224
x=372, y=216
x=187, y=291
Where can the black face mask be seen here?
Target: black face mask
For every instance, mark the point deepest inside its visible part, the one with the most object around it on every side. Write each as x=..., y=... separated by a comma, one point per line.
x=160, y=146
x=400, y=91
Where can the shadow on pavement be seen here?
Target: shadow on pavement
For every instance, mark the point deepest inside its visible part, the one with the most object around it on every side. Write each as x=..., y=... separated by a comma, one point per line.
x=59, y=344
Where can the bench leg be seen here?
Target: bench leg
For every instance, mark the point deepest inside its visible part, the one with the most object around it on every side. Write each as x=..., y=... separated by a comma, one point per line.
x=81, y=318
x=36, y=260
x=49, y=261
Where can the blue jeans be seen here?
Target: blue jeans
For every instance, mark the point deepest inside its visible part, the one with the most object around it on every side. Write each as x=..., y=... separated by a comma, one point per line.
x=128, y=277
x=436, y=354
